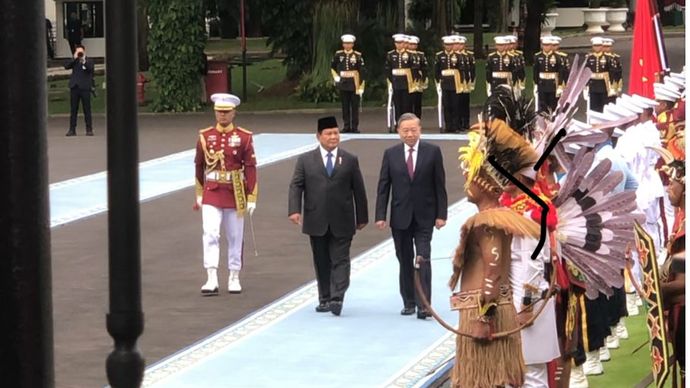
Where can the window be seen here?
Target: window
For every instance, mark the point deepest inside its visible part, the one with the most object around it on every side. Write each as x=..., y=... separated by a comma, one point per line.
x=87, y=14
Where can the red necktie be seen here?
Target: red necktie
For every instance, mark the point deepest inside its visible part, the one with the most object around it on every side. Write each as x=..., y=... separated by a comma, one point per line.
x=410, y=163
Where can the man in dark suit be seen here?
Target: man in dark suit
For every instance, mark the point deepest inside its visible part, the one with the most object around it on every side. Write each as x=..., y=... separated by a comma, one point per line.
x=80, y=83
x=330, y=182
x=413, y=171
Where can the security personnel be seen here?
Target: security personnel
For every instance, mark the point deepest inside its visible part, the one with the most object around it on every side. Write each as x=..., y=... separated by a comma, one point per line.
x=469, y=75
x=448, y=75
x=600, y=85
x=420, y=76
x=500, y=66
x=226, y=190
x=565, y=64
x=347, y=68
x=519, y=59
x=547, y=72
x=616, y=70
x=398, y=70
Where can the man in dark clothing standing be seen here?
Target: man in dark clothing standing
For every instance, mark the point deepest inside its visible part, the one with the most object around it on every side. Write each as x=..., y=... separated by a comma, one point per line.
x=413, y=181
x=80, y=83
x=327, y=186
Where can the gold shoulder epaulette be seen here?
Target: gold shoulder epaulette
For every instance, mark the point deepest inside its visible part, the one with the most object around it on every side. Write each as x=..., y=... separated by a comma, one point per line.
x=340, y=51
x=205, y=129
x=470, y=52
x=358, y=53
x=243, y=130
x=390, y=52
x=493, y=53
x=561, y=53
x=440, y=52
x=518, y=52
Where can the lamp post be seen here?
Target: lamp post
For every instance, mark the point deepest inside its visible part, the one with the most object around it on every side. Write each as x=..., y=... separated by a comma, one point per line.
x=125, y=319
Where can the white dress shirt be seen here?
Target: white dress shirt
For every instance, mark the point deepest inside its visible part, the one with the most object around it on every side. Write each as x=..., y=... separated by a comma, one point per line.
x=414, y=154
x=324, y=155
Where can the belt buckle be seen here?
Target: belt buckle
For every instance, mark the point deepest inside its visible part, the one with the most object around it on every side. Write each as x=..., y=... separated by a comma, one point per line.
x=223, y=176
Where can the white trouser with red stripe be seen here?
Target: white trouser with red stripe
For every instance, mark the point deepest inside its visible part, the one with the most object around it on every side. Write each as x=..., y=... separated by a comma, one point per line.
x=214, y=220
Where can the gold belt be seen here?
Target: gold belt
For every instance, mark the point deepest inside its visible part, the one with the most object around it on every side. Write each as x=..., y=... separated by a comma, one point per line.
x=470, y=299
x=501, y=74
x=349, y=73
x=220, y=176
x=400, y=71
x=448, y=72
x=603, y=75
x=548, y=75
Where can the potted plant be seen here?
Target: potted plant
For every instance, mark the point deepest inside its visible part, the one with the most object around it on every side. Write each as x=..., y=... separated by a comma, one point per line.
x=549, y=23
x=616, y=15
x=595, y=17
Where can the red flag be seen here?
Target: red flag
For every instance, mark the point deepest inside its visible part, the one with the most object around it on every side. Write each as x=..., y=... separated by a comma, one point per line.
x=648, y=58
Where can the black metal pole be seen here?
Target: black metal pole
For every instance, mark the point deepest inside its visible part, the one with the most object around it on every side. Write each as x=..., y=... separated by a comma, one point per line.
x=125, y=320
x=26, y=325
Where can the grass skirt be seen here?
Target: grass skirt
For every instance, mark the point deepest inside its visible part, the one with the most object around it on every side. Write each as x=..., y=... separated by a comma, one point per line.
x=487, y=364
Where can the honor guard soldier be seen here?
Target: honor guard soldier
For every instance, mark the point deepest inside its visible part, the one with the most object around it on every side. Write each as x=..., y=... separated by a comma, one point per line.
x=565, y=64
x=547, y=73
x=600, y=86
x=616, y=70
x=499, y=66
x=420, y=77
x=347, y=68
x=448, y=76
x=226, y=190
x=667, y=95
x=469, y=74
x=519, y=59
x=398, y=70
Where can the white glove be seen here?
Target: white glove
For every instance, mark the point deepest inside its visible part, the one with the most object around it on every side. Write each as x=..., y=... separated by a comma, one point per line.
x=198, y=200
x=337, y=78
x=251, y=206
x=359, y=92
x=390, y=88
x=438, y=88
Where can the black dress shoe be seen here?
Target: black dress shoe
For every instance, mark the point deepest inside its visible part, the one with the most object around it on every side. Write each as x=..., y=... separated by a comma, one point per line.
x=71, y=133
x=422, y=314
x=354, y=130
x=336, y=307
x=322, y=308
x=89, y=132
x=407, y=311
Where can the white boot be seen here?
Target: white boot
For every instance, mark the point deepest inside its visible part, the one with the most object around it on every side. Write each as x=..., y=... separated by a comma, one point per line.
x=604, y=354
x=621, y=330
x=631, y=305
x=234, y=286
x=211, y=286
x=578, y=379
x=612, y=341
x=593, y=364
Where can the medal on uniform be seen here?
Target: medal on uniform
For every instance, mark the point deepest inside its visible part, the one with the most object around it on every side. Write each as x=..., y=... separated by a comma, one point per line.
x=235, y=140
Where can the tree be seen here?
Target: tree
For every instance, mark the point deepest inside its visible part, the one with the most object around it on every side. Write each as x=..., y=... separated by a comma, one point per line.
x=288, y=26
x=176, y=45
x=331, y=19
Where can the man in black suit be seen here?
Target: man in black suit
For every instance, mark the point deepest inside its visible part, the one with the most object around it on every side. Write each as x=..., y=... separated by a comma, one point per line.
x=335, y=204
x=413, y=171
x=80, y=83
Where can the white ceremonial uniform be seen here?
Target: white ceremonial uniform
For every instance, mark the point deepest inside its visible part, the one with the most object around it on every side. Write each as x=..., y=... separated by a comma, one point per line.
x=642, y=162
x=539, y=341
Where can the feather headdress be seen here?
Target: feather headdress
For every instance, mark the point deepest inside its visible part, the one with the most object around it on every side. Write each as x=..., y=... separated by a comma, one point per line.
x=511, y=151
x=673, y=168
x=595, y=223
